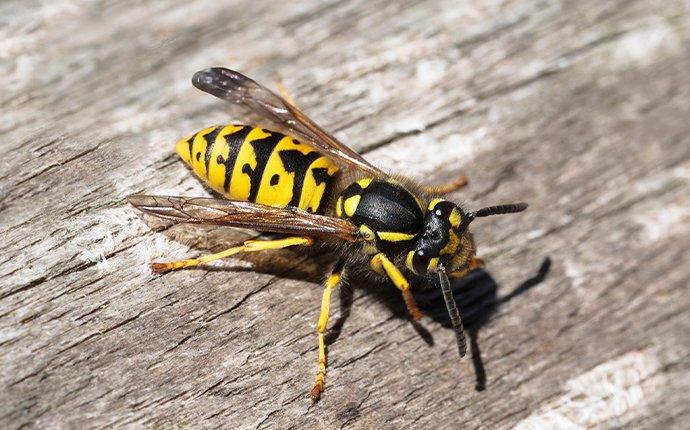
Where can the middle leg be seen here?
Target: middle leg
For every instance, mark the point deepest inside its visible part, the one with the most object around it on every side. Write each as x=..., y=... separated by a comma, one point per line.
x=381, y=264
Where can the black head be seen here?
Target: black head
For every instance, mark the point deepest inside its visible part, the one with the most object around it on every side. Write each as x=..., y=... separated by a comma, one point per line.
x=440, y=238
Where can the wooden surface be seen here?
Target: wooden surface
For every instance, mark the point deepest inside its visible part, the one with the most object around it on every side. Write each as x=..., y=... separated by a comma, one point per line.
x=580, y=108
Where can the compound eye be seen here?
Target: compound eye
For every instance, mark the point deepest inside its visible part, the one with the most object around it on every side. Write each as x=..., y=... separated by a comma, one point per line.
x=418, y=261
x=443, y=209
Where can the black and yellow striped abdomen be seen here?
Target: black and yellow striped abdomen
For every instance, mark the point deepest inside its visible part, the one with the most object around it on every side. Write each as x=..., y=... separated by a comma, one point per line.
x=260, y=166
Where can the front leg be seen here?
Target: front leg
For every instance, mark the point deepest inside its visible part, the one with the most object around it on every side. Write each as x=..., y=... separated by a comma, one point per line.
x=475, y=263
x=381, y=264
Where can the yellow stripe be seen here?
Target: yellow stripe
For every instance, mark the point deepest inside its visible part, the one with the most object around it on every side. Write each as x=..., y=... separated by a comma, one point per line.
x=408, y=261
x=364, y=182
x=339, y=207
x=454, y=218
x=452, y=245
x=433, y=203
x=394, y=236
x=350, y=204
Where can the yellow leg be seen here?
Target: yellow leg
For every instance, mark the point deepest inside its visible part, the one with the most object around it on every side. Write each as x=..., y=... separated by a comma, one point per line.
x=458, y=274
x=475, y=262
x=248, y=246
x=381, y=264
x=332, y=282
x=448, y=187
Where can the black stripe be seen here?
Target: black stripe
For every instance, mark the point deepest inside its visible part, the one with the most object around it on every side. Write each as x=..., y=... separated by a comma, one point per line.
x=262, y=149
x=321, y=176
x=210, y=139
x=296, y=162
x=190, y=142
x=234, y=141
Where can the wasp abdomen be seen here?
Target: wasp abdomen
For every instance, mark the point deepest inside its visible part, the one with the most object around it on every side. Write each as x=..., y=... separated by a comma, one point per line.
x=260, y=166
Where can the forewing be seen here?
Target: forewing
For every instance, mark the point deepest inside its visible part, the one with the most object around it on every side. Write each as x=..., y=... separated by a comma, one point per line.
x=234, y=87
x=202, y=210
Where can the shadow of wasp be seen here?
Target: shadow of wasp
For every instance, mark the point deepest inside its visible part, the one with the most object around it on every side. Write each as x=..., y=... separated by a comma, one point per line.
x=476, y=296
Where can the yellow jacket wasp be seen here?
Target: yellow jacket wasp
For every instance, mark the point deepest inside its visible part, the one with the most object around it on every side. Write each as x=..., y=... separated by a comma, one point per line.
x=314, y=190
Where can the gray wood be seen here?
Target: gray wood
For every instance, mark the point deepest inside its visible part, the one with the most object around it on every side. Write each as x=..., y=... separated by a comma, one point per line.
x=578, y=107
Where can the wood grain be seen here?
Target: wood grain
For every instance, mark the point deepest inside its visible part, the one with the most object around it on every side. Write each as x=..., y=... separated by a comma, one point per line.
x=579, y=108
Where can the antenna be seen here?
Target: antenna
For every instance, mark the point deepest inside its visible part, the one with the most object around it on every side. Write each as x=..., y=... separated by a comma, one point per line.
x=488, y=211
x=500, y=209
x=452, y=311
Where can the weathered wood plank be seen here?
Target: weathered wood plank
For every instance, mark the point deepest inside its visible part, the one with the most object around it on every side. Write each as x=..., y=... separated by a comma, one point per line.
x=579, y=108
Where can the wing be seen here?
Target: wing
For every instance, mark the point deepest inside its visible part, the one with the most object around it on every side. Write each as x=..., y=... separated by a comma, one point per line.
x=201, y=210
x=234, y=87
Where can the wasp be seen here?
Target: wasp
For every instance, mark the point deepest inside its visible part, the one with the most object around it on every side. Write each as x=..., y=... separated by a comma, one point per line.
x=307, y=187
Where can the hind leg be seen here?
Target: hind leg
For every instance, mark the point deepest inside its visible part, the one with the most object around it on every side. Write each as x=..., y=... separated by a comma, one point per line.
x=248, y=246
x=332, y=282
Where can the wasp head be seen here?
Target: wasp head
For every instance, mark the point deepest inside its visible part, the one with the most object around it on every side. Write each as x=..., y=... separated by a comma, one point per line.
x=445, y=239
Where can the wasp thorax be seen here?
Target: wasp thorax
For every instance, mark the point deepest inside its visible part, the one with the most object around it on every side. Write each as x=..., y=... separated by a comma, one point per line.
x=438, y=237
x=389, y=217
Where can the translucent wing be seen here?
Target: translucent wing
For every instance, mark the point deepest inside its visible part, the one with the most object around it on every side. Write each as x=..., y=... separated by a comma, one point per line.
x=237, y=88
x=202, y=210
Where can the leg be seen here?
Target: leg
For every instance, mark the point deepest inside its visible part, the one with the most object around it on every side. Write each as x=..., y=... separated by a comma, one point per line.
x=448, y=187
x=248, y=246
x=331, y=282
x=475, y=263
x=381, y=264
